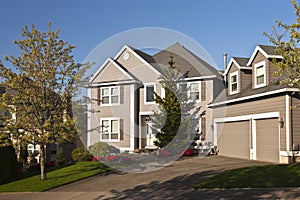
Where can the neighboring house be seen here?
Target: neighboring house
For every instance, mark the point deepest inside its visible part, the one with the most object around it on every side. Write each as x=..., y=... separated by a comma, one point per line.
x=51, y=150
x=122, y=93
x=261, y=121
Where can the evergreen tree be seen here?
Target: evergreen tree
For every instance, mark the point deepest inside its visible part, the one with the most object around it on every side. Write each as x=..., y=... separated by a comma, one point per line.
x=174, y=122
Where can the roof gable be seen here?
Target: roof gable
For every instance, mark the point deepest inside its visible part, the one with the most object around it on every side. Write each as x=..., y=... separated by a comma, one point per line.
x=239, y=62
x=142, y=57
x=106, y=64
x=267, y=51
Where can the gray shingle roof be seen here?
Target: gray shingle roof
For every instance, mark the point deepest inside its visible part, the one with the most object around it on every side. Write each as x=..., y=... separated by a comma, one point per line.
x=270, y=50
x=184, y=59
x=241, y=61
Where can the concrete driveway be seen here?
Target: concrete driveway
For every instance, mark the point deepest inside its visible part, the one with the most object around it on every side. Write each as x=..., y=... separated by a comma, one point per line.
x=172, y=182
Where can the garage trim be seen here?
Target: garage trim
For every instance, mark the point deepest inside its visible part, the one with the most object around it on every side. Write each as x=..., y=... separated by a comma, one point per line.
x=242, y=118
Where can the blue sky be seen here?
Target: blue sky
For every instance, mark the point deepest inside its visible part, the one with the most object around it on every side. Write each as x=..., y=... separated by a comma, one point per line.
x=231, y=26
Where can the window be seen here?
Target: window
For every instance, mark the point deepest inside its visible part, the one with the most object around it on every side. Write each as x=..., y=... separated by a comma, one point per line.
x=182, y=87
x=33, y=149
x=110, y=129
x=194, y=91
x=260, y=74
x=233, y=85
x=149, y=93
x=110, y=95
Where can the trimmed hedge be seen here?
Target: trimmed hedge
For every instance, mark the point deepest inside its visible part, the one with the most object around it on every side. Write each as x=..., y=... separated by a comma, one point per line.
x=103, y=149
x=81, y=154
x=8, y=163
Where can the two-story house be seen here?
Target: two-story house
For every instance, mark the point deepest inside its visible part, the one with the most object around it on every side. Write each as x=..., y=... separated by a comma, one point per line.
x=261, y=119
x=122, y=95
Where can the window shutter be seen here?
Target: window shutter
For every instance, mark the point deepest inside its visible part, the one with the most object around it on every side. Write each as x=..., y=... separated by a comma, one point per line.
x=121, y=129
x=98, y=96
x=121, y=94
x=203, y=128
x=203, y=91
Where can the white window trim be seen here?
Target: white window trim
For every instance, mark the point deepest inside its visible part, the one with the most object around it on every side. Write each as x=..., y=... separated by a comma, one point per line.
x=189, y=91
x=110, y=119
x=262, y=63
x=145, y=92
x=110, y=104
x=236, y=73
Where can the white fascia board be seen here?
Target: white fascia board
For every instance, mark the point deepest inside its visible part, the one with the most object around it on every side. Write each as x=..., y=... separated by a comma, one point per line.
x=99, y=70
x=113, y=83
x=248, y=117
x=258, y=48
x=232, y=61
x=147, y=113
x=102, y=67
x=138, y=56
x=197, y=78
x=200, y=78
x=254, y=96
x=246, y=68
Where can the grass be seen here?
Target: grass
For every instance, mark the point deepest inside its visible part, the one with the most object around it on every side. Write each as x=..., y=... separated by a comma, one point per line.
x=267, y=176
x=55, y=178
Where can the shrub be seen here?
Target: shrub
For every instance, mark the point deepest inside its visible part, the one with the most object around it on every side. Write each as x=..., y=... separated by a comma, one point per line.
x=81, y=154
x=188, y=152
x=8, y=163
x=103, y=149
x=111, y=158
x=164, y=152
x=96, y=158
x=60, y=159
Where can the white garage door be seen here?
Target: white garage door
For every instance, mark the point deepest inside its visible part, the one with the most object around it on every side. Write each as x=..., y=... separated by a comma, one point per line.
x=267, y=140
x=234, y=139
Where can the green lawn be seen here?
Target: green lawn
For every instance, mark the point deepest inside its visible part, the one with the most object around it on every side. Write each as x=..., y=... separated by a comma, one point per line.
x=55, y=178
x=266, y=176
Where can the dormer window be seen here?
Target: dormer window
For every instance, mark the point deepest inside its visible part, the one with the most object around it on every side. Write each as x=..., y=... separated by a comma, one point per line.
x=233, y=84
x=260, y=74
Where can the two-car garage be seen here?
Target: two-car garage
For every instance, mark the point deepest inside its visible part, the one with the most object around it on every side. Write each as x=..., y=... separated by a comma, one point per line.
x=249, y=137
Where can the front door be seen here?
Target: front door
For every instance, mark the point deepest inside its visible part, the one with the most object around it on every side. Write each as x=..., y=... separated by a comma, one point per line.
x=150, y=135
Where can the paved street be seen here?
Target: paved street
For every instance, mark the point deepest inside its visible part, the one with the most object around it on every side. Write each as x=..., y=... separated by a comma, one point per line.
x=172, y=182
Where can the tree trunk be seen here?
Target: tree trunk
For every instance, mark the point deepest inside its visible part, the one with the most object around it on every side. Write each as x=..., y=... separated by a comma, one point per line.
x=42, y=162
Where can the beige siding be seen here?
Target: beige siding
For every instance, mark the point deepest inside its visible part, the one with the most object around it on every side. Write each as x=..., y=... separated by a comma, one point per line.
x=110, y=73
x=296, y=121
x=148, y=107
x=272, y=104
x=267, y=140
x=122, y=111
x=246, y=78
x=136, y=67
x=272, y=70
x=208, y=112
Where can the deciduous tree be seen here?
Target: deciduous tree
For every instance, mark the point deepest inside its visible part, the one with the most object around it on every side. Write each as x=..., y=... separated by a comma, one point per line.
x=40, y=89
x=286, y=38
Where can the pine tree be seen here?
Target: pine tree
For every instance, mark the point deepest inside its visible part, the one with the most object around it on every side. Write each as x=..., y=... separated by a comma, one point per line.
x=174, y=121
